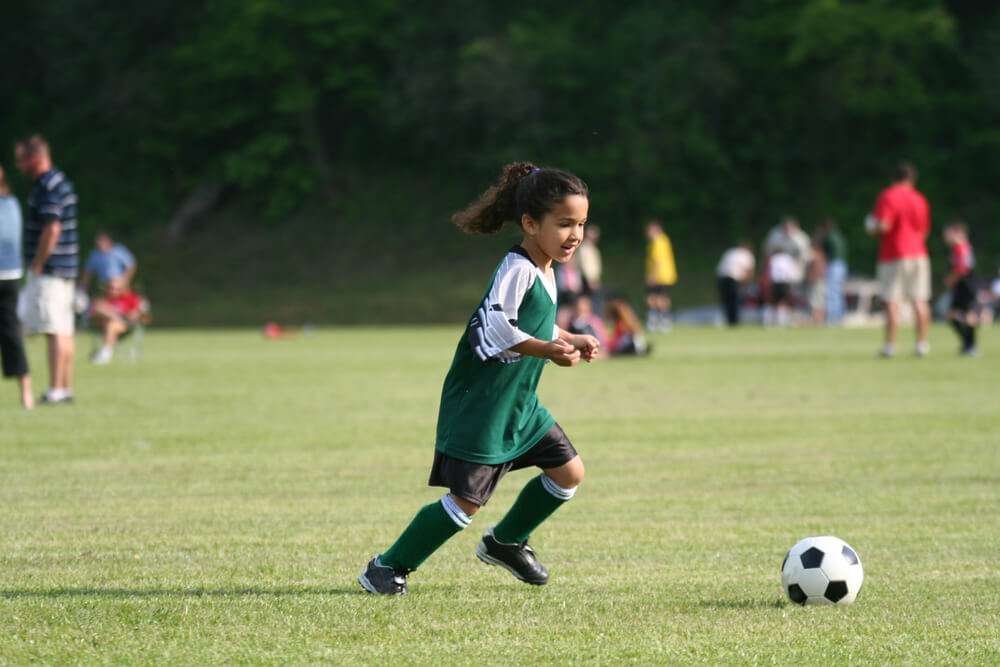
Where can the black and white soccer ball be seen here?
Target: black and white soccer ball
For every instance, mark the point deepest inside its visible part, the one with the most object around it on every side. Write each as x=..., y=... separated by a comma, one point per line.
x=822, y=570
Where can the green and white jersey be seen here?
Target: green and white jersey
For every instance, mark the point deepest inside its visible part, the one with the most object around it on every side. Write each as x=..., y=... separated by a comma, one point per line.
x=489, y=410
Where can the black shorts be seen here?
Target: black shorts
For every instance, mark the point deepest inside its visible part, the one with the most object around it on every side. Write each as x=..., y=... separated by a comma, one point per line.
x=963, y=294
x=780, y=292
x=659, y=290
x=476, y=482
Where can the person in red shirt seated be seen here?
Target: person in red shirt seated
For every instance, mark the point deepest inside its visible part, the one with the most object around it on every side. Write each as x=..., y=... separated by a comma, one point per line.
x=116, y=312
x=901, y=221
x=627, y=337
x=961, y=281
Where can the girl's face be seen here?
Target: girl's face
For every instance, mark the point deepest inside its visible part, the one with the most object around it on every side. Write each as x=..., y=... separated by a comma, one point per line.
x=560, y=232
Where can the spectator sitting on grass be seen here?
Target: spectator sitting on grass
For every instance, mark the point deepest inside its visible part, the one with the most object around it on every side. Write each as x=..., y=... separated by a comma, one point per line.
x=117, y=311
x=118, y=308
x=585, y=321
x=108, y=260
x=627, y=337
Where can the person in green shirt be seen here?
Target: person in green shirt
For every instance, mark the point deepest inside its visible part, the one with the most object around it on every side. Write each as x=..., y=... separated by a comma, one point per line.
x=490, y=420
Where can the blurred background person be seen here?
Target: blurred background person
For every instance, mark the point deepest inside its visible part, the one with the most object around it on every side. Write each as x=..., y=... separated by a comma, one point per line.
x=994, y=297
x=588, y=258
x=586, y=321
x=51, y=250
x=834, y=248
x=15, y=362
x=661, y=275
x=116, y=312
x=569, y=286
x=816, y=283
x=901, y=221
x=788, y=238
x=961, y=280
x=734, y=270
x=116, y=307
x=627, y=338
x=784, y=272
x=108, y=261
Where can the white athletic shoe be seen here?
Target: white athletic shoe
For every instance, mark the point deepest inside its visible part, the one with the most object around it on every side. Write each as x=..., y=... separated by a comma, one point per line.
x=102, y=356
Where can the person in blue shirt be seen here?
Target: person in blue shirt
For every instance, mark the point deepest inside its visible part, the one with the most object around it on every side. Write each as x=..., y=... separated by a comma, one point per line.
x=114, y=267
x=15, y=362
x=108, y=261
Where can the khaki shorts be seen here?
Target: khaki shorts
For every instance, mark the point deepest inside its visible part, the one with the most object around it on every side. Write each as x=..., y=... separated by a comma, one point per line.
x=46, y=305
x=906, y=279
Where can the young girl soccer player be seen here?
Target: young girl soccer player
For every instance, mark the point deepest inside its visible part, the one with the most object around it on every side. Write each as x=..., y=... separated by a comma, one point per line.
x=490, y=421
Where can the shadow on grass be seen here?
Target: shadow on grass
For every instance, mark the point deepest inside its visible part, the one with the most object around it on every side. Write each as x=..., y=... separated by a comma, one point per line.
x=249, y=591
x=743, y=604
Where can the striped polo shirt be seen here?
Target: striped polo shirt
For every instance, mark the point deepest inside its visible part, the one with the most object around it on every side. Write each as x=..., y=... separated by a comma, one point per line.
x=52, y=199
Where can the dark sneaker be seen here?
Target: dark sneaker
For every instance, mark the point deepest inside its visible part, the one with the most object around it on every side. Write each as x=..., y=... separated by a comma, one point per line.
x=382, y=579
x=519, y=559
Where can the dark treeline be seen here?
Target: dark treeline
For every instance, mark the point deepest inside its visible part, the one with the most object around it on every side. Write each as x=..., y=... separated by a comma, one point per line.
x=717, y=116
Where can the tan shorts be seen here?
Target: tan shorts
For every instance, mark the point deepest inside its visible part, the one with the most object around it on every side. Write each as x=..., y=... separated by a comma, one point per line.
x=906, y=279
x=46, y=305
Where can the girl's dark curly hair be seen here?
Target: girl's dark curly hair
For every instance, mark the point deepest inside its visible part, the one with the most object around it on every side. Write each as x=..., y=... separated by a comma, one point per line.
x=521, y=189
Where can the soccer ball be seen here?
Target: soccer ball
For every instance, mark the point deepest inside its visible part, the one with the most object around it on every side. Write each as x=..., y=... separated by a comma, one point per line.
x=822, y=570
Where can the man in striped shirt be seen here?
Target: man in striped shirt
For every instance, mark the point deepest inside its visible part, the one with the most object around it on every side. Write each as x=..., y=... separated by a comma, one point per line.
x=52, y=252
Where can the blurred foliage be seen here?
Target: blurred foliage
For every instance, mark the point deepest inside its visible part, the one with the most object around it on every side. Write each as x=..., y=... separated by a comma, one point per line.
x=717, y=116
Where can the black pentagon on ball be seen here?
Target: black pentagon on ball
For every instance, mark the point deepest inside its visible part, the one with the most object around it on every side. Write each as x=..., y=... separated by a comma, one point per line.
x=849, y=555
x=811, y=557
x=796, y=594
x=835, y=591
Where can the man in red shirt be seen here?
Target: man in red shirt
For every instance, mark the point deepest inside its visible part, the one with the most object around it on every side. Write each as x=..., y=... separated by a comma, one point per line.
x=902, y=221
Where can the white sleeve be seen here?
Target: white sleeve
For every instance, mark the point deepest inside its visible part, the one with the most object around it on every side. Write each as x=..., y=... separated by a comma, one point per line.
x=493, y=328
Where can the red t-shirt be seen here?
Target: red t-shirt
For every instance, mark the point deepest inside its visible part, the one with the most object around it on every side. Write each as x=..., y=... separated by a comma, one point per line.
x=961, y=258
x=126, y=303
x=909, y=219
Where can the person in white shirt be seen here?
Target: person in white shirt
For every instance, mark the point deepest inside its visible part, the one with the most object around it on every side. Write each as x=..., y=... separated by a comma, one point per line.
x=788, y=237
x=784, y=272
x=735, y=269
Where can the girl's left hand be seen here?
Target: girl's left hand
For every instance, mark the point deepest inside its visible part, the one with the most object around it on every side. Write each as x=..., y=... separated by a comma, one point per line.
x=588, y=345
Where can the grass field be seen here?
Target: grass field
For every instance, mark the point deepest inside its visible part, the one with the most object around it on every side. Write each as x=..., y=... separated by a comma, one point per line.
x=215, y=502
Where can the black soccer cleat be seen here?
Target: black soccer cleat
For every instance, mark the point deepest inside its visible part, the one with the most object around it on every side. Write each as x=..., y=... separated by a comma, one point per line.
x=519, y=559
x=382, y=579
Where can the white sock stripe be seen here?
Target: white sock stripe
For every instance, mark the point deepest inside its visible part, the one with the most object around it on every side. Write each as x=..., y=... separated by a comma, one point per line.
x=556, y=490
x=455, y=512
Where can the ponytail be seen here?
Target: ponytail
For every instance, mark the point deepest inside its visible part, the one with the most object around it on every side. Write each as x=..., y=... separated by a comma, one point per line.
x=521, y=189
x=497, y=205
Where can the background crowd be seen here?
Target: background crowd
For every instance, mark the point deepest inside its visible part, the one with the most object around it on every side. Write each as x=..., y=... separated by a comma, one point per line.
x=800, y=279
x=42, y=250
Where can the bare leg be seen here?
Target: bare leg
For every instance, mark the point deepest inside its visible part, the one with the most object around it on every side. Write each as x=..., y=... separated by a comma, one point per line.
x=68, y=354
x=27, y=400
x=569, y=475
x=61, y=361
x=52, y=346
x=469, y=508
x=113, y=328
x=891, y=322
x=923, y=314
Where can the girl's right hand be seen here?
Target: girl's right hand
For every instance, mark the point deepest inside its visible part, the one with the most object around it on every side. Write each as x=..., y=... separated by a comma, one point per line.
x=562, y=353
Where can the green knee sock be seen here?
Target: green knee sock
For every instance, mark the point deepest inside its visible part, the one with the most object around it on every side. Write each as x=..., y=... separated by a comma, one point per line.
x=433, y=525
x=537, y=501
